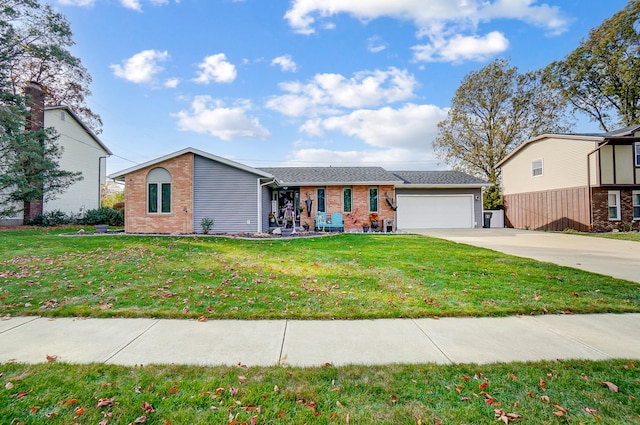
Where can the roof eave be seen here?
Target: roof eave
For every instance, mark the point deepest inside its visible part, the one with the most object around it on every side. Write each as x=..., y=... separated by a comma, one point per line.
x=341, y=183
x=444, y=186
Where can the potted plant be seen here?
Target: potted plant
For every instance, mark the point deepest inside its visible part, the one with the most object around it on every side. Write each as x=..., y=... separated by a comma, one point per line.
x=289, y=222
x=365, y=226
x=272, y=218
x=374, y=220
x=306, y=226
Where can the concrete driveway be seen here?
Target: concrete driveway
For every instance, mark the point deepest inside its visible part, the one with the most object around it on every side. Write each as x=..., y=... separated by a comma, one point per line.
x=620, y=259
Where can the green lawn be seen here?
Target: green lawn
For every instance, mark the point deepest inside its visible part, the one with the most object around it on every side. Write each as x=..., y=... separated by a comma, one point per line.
x=625, y=236
x=343, y=276
x=562, y=392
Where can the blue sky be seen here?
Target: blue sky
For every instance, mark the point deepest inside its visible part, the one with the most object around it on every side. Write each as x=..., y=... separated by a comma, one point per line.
x=303, y=82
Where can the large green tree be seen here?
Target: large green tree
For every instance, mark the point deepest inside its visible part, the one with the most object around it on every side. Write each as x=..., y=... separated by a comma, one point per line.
x=601, y=77
x=29, y=168
x=493, y=111
x=34, y=46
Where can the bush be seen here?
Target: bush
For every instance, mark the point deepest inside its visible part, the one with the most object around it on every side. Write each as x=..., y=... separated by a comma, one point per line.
x=51, y=218
x=104, y=216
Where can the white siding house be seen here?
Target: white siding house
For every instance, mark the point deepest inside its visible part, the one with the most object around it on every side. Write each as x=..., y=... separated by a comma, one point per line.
x=82, y=151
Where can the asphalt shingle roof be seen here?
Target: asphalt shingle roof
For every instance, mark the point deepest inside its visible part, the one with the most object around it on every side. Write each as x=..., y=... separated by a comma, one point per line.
x=437, y=177
x=328, y=175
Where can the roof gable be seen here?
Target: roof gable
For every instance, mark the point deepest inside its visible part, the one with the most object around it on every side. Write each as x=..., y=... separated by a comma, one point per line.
x=120, y=174
x=81, y=124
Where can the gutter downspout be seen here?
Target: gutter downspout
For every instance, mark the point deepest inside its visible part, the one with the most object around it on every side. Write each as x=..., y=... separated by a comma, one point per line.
x=589, y=180
x=100, y=158
x=260, y=186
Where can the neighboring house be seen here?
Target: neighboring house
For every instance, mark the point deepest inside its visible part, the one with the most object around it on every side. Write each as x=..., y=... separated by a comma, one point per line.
x=173, y=193
x=586, y=182
x=82, y=151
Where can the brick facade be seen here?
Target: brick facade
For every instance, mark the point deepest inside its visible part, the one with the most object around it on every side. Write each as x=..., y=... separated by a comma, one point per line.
x=180, y=220
x=601, y=222
x=359, y=204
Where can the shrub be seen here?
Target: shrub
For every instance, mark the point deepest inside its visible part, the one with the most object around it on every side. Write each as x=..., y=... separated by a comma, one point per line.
x=104, y=216
x=51, y=218
x=207, y=224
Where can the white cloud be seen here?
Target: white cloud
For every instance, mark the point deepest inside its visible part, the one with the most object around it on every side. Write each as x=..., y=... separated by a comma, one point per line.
x=141, y=67
x=328, y=93
x=462, y=13
x=409, y=127
x=172, y=83
x=285, y=62
x=376, y=44
x=132, y=4
x=210, y=116
x=391, y=159
x=216, y=68
x=460, y=48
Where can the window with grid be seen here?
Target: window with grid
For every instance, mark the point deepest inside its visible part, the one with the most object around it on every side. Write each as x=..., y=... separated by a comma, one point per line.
x=636, y=204
x=373, y=199
x=536, y=168
x=159, y=191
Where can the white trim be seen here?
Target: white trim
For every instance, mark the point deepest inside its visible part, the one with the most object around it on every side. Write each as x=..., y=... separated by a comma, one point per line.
x=534, y=167
x=616, y=206
x=635, y=194
x=637, y=154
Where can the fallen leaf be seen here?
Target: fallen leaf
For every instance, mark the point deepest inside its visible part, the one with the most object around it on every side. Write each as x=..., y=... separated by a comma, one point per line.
x=79, y=411
x=465, y=399
x=140, y=420
x=33, y=410
x=242, y=379
x=174, y=390
x=9, y=385
x=69, y=401
x=104, y=421
x=545, y=398
x=166, y=422
x=465, y=378
x=20, y=395
x=483, y=385
x=559, y=413
x=394, y=399
x=52, y=358
x=613, y=387
x=104, y=402
x=281, y=414
x=543, y=384
x=560, y=408
x=512, y=377
x=147, y=408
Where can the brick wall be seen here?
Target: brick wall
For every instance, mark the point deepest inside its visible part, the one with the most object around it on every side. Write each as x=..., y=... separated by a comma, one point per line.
x=137, y=220
x=359, y=204
x=601, y=222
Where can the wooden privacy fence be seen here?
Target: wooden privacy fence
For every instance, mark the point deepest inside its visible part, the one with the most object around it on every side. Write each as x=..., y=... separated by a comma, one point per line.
x=554, y=210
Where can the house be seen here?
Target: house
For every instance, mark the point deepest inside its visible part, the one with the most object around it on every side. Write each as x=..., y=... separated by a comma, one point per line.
x=585, y=182
x=82, y=151
x=173, y=193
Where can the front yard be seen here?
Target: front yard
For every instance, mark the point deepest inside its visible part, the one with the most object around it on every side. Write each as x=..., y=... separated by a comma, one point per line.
x=342, y=277
x=345, y=277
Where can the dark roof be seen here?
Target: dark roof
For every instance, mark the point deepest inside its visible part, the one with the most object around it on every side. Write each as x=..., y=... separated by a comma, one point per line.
x=438, y=178
x=296, y=176
x=621, y=132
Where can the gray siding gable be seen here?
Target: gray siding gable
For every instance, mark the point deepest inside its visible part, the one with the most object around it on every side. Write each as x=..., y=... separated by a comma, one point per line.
x=226, y=194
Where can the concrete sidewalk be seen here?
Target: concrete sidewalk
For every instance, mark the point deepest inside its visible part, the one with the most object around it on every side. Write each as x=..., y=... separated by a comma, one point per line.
x=315, y=343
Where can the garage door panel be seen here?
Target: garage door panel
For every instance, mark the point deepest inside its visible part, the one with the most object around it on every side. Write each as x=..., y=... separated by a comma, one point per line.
x=435, y=211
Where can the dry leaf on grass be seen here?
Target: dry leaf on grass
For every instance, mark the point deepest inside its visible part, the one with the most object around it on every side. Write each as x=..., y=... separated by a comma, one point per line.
x=613, y=387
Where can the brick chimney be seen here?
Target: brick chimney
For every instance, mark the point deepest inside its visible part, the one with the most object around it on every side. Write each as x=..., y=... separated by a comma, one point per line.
x=35, y=122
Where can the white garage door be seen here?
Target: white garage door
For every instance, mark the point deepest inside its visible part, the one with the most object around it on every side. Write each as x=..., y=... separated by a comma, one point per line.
x=435, y=212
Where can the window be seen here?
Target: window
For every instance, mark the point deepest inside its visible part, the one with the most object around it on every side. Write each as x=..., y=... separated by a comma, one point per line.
x=346, y=199
x=637, y=155
x=321, y=203
x=614, y=205
x=373, y=199
x=536, y=168
x=158, y=191
x=636, y=204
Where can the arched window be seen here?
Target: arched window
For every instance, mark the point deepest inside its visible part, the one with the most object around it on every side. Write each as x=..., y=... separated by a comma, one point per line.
x=158, y=191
